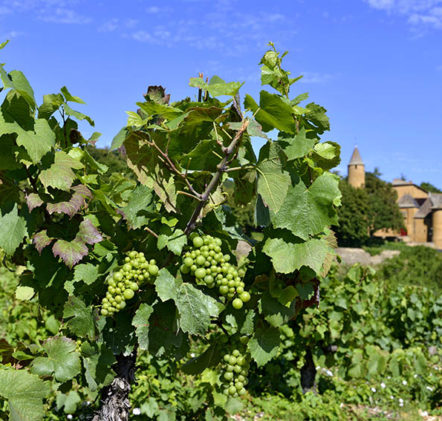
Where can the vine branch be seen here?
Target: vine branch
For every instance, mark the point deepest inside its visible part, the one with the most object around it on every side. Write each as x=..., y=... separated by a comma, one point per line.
x=230, y=152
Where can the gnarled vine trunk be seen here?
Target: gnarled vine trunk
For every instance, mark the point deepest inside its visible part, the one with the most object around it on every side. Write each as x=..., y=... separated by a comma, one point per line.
x=115, y=405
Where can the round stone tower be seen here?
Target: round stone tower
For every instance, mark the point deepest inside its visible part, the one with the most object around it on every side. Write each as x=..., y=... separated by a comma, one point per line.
x=437, y=228
x=356, y=170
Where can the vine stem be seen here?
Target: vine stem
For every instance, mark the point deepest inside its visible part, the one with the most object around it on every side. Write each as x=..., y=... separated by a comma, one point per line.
x=229, y=153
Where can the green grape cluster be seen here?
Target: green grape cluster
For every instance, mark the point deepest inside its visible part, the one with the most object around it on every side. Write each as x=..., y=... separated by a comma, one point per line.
x=206, y=262
x=124, y=282
x=234, y=373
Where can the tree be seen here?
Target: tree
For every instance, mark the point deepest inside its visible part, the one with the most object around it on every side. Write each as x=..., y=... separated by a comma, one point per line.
x=384, y=212
x=366, y=210
x=155, y=265
x=353, y=229
x=429, y=187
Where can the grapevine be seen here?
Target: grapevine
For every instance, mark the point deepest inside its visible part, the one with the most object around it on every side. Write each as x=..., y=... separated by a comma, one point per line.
x=68, y=222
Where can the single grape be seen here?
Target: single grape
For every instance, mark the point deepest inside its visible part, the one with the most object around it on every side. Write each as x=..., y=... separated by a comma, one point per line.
x=198, y=242
x=128, y=294
x=245, y=297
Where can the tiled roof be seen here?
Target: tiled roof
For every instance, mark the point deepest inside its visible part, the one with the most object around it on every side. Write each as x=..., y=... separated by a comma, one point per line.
x=436, y=200
x=406, y=201
x=424, y=210
x=356, y=158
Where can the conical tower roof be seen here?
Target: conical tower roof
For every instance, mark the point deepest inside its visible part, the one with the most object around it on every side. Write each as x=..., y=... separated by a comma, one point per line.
x=356, y=158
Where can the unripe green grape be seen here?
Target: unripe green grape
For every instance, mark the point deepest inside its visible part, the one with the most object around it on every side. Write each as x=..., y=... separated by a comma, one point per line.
x=227, y=358
x=184, y=269
x=198, y=242
x=239, y=385
x=245, y=297
x=200, y=273
x=230, y=367
x=200, y=260
x=127, y=267
x=239, y=290
x=188, y=261
x=111, y=290
x=104, y=312
x=153, y=269
x=236, y=353
x=193, y=268
x=208, y=279
x=237, y=369
x=228, y=375
x=121, y=305
x=242, y=392
x=224, y=289
x=232, y=390
x=128, y=294
x=134, y=286
x=232, y=360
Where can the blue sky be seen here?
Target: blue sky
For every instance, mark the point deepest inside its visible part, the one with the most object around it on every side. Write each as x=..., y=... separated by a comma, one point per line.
x=376, y=65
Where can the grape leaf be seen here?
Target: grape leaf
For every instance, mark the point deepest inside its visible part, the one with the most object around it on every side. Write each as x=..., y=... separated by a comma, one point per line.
x=274, y=312
x=88, y=233
x=288, y=255
x=79, y=116
x=297, y=146
x=12, y=230
x=216, y=86
x=263, y=346
x=69, y=401
x=166, y=285
x=74, y=204
x=195, y=309
x=60, y=175
x=69, y=97
x=24, y=293
x=209, y=358
x=274, y=112
x=80, y=318
x=97, y=361
x=71, y=252
x=327, y=155
x=17, y=81
x=62, y=361
x=24, y=393
x=41, y=240
x=51, y=103
x=174, y=242
x=140, y=204
x=37, y=142
x=141, y=324
x=308, y=211
x=33, y=201
x=273, y=181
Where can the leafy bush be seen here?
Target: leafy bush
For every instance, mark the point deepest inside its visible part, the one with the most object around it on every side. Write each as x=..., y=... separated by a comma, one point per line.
x=417, y=265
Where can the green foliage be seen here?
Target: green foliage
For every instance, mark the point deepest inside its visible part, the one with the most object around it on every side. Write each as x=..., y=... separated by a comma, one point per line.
x=80, y=233
x=429, y=187
x=384, y=212
x=353, y=229
x=419, y=265
x=366, y=210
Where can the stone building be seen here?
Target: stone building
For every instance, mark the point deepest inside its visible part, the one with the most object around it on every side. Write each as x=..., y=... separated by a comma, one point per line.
x=422, y=210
